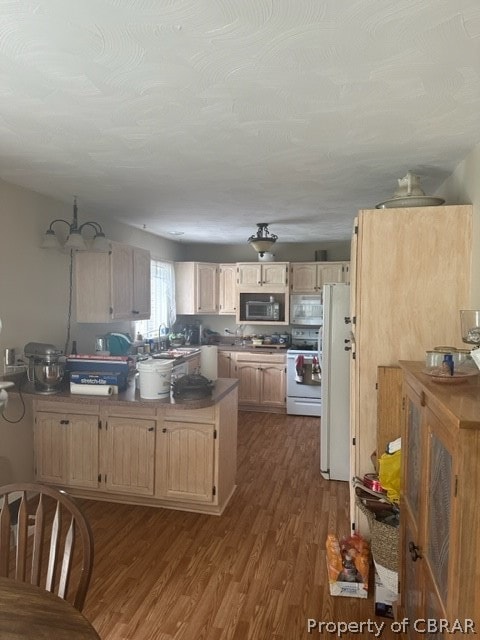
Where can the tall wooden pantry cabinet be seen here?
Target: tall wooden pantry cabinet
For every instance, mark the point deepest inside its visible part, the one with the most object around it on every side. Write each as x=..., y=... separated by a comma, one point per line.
x=410, y=276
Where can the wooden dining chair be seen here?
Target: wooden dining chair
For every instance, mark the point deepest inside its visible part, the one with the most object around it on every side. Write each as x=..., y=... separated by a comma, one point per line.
x=45, y=539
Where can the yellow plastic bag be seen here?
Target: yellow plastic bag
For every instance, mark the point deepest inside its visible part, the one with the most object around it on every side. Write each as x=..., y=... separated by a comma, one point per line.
x=389, y=474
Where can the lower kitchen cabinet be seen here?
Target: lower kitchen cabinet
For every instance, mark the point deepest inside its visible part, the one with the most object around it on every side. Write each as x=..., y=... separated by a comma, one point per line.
x=225, y=364
x=193, y=364
x=129, y=455
x=261, y=381
x=67, y=449
x=164, y=455
x=186, y=461
x=440, y=519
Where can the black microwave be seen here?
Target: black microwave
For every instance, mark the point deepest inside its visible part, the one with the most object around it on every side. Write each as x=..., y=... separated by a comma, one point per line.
x=258, y=310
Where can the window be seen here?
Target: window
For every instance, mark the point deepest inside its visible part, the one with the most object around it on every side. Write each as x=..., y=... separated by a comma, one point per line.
x=163, y=311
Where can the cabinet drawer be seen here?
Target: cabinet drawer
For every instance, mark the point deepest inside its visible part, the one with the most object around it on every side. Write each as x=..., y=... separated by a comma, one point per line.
x=207, y=414
x=129, y=411
x=263, y=358
x=67, y=407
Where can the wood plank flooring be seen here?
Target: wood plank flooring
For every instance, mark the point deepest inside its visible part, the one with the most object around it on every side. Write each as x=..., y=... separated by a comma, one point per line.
x=256, y=572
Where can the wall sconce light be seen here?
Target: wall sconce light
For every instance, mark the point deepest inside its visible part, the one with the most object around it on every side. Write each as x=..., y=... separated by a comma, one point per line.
x=263, y=241
x=75, y=239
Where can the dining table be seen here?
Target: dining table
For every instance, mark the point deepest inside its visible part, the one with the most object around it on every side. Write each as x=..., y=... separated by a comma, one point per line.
x=27, y=611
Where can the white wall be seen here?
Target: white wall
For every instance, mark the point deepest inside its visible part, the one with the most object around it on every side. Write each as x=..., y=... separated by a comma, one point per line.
x=284, y=252
x=463, y=187
x=34, y=293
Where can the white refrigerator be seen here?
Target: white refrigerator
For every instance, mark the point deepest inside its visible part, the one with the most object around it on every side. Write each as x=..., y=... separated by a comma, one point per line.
x=334, y=345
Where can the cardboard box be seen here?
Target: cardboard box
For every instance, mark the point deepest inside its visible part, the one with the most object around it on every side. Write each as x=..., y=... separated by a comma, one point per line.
x=350, y=589
x=384, y=599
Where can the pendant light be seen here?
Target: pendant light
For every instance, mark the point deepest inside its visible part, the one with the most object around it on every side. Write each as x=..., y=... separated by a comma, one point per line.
x=75, y=239
x=263, y=241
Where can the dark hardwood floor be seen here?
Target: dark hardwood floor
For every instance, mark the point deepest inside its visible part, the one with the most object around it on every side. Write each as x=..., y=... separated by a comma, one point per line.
x=256, y=572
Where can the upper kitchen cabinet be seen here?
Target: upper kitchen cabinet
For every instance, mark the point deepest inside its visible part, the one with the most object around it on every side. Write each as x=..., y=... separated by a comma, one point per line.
x=196, y=288
x=113, y=285
x=254, y=276
x=309, y=277
x=227, y=289
x=410, y=277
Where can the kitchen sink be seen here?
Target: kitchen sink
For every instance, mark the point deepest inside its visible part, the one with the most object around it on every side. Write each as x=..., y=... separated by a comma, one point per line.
x=177, y=352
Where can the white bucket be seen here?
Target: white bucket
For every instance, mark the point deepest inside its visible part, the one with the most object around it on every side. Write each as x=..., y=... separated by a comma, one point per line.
x=155, y=378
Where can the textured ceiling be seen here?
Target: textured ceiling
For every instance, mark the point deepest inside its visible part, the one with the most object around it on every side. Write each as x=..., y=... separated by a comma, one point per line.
x=207, y=116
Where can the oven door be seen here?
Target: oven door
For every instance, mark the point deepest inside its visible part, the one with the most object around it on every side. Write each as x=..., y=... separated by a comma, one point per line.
x=309, y=388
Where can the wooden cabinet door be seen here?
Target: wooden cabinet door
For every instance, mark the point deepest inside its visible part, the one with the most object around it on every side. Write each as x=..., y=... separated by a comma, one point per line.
x=227, y=289
x=93, y=286
x=249, y=388
x=304, y=277
x=275, y=274
x=193, y=364
x=224, y=362
x=130, y=282
x=129, y=454
x=439, y=512
x=273, y=385
x=206, y=280
x=50, y=447
x=122, y=281
x=330, y=273
x=250, y=274
x=141, y=284
x=82, y=435
x=187, y=461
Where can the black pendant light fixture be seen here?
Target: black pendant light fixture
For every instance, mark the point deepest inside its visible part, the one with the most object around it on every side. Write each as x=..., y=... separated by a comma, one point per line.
x=75, y=239
x=263, y=241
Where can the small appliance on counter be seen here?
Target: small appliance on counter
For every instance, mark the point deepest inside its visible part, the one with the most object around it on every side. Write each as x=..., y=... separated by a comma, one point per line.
x=192, y=387
x=46, y=366
x=119, y=344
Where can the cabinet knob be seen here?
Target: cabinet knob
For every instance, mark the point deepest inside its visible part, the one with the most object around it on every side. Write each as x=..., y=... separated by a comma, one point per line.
x=134, y=311
x=414, y=549
x=151, y=429
x=164, y=430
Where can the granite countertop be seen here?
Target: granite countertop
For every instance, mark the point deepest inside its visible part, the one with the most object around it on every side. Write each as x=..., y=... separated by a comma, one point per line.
x=131, y=396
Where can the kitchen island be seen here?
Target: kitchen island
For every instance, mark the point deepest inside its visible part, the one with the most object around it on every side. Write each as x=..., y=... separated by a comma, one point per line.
x=122, y=448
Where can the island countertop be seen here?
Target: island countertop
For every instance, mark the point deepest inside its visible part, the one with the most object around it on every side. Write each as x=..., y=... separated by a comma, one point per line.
x=131, y=396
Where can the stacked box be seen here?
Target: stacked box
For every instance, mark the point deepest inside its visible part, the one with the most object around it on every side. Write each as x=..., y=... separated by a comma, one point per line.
x=99, y=370
x=384, y=599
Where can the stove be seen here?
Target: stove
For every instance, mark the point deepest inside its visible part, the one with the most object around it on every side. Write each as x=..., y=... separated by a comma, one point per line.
x=303, y=399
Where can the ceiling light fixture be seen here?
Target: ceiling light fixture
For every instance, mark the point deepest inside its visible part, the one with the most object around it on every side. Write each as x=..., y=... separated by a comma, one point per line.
x=263, y=241
x=75, y=239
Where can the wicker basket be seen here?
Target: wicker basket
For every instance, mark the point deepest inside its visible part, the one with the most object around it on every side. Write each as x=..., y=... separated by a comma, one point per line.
x=384, y=540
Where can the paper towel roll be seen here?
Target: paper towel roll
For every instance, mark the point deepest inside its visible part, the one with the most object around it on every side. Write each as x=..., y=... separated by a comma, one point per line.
x=91, y=390
x=208, y=361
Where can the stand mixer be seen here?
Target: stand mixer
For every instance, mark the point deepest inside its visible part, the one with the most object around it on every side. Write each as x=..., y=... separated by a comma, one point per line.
x=46, y=366
x=470, y=324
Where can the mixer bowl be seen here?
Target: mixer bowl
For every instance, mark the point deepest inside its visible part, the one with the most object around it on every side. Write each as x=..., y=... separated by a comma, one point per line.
x=47, y=376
